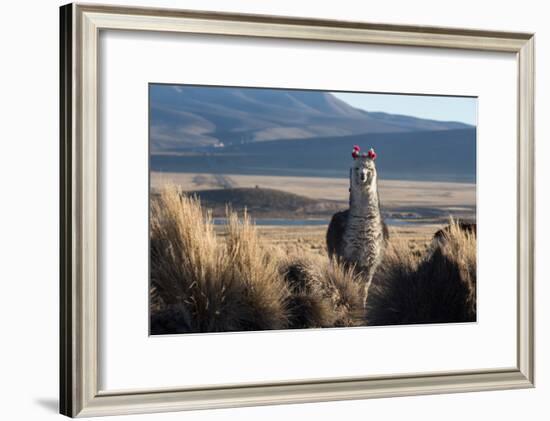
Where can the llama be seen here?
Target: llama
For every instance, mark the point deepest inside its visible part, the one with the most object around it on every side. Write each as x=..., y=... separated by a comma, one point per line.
x=358, y=235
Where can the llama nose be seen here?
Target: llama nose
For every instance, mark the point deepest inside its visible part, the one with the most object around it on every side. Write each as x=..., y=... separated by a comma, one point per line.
x=363, y=177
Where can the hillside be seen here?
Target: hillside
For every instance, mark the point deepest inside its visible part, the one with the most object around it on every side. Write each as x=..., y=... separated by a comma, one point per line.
x=439, y=156
x=262, y=202
x=195, y=117
x=434, y=155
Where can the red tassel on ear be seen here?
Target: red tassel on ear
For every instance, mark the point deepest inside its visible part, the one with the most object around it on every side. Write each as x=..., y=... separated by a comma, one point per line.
x=355, y=152
x=372, y=154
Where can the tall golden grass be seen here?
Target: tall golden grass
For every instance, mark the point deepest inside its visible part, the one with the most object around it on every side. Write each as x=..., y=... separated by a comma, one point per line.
x=437, y=287
x=213, y=286
x=323, y=293
x=201, y=282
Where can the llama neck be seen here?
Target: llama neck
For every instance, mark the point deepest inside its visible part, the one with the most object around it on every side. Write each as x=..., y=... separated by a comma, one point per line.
x=364, y=202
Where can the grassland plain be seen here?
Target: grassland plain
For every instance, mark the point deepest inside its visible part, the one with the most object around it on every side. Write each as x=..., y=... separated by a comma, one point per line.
x=426, y=205
x=238, y=276
x=393, y=193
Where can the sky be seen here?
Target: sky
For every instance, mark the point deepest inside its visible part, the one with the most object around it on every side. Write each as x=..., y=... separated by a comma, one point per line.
x=443, y=108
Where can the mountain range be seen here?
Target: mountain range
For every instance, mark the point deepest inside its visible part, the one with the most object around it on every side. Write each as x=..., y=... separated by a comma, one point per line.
x=190, y=117
x=298, y=133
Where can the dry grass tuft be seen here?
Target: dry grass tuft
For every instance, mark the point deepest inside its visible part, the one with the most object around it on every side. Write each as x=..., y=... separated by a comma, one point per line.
x=322, y=294
x=346, y=291
x=307, y=306
x=252, y=265
x=439, y=287
x=207, y=285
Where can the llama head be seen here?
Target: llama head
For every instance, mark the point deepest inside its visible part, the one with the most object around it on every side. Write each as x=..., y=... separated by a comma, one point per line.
x=363, y=169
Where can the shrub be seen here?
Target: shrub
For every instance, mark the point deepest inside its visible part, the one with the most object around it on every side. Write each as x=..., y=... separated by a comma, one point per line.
x=322, y=294
x=207, y=285
x=252, y=266
x=437, y=288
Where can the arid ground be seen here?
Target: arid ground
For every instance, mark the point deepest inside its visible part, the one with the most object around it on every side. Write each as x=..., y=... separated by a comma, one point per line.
x=234, y=275
x=312, y=238
x=417, y=209
x=393, y=193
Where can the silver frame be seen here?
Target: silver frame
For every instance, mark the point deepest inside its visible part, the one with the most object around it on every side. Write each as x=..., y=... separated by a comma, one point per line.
x=79, y=30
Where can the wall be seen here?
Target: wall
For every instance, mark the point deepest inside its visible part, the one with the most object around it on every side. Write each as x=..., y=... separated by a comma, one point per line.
x=29, y=227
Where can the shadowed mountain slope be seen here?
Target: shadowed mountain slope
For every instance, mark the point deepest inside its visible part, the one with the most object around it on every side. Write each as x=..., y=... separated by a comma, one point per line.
x=190, y=117
x=448, y=155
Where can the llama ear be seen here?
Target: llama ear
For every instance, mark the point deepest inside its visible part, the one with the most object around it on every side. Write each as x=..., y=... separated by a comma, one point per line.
x=355, y=152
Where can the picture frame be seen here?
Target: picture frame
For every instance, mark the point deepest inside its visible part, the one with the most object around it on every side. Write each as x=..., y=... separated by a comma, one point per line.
x=79, y=201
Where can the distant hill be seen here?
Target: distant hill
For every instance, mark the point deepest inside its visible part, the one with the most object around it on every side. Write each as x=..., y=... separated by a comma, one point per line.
x=435, y=155
x=193, y=117
x=448, y=155
x=271, y=203
x=264, y=202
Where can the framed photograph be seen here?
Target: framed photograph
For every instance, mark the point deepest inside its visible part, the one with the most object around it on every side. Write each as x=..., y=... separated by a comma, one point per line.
x=262, y=210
